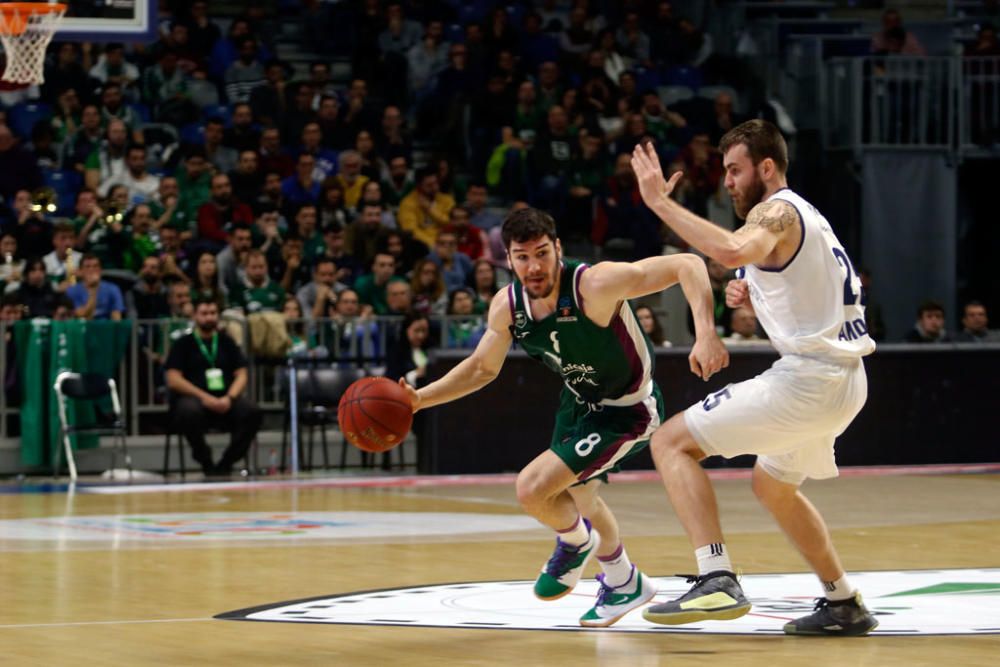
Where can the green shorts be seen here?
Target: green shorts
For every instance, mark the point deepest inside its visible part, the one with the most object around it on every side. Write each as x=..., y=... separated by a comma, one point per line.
x=592, y=442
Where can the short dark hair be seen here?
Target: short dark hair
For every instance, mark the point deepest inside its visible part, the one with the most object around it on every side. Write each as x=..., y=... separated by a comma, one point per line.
x=193, y=150
x=930, y=306
x=89, y=257
x=11, y=300
x=896, y=33
x=408, y=319
x=526, y=224
x=263, y=208
x=425, y=172
x=204, y=299
x=324, y=260
x=975, y=303
x=762, y=139
x=63, y=301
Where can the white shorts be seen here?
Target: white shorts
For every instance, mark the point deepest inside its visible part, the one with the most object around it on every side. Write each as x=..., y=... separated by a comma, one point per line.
x=788, y=415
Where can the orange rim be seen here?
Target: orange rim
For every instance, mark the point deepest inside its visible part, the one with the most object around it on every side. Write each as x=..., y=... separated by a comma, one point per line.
x=16, y=14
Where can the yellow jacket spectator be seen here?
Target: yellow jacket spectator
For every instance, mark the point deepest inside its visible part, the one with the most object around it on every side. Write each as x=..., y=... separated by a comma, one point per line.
x=350, y=177
x=425, y=211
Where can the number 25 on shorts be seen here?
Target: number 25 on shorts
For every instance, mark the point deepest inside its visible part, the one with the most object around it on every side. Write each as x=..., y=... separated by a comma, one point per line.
x=713, y=400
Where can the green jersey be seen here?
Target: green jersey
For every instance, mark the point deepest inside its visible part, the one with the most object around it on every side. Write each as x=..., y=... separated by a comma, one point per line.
x=268, y=297
x=610, y=365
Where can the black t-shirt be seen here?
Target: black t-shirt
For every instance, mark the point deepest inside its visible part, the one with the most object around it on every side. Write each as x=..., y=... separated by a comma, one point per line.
x=186, y=356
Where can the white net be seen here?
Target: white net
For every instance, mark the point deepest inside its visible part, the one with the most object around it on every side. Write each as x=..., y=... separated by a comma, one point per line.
x=25, y=49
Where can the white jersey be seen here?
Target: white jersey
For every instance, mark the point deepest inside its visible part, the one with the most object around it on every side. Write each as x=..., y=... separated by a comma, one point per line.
x=812, y=306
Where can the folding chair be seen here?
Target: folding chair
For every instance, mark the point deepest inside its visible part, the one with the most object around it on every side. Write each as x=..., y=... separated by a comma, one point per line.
x=251, y=459
x=318, y=391
x=88, y=387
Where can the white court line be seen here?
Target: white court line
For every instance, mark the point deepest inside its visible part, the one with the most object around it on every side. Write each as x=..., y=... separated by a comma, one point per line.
x=423, y=481
x=71, y=624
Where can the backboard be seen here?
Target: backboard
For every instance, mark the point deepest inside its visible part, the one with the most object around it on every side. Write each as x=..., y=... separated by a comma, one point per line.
x=109, y=21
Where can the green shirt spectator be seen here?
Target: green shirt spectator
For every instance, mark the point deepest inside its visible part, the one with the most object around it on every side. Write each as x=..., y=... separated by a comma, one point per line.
x=371, y=286
x=305, y=224
x=258, y=293
x=139, y=244
x=168, y=210
x=194, y=180
x=400, y=181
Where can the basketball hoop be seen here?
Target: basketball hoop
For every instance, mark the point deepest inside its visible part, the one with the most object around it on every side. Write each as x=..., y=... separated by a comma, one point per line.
x=26, y=29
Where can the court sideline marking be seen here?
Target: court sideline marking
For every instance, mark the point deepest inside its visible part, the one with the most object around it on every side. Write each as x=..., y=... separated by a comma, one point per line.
x=124, y=622
x=507, y=478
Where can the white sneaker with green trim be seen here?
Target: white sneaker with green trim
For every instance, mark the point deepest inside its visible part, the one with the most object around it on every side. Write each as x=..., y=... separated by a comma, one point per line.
x=613, y=602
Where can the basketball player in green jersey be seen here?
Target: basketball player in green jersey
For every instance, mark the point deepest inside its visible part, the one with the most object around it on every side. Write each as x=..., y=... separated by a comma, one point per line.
x=577, y=321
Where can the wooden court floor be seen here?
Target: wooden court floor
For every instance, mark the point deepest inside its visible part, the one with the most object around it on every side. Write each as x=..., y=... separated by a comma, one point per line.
x=106, y=601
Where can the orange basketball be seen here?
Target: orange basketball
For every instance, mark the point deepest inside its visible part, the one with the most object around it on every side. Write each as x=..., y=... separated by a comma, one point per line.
x=375, y=414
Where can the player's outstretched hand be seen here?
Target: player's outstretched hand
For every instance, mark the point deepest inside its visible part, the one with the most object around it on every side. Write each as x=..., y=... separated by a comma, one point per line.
x=737, y=293
x=646, y=165
x=708, y=356
x=412, y=393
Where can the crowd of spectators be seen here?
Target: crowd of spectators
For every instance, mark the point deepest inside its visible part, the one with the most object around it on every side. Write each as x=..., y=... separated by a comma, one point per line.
x=139, y=179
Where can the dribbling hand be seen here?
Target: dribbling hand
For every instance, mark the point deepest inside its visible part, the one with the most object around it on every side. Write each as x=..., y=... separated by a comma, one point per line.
x=412, y=393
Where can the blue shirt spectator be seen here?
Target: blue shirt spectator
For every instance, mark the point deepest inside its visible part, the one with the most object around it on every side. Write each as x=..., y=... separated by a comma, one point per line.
x=302, y=187
x=455, y=266
x=93, y=298
x=312, y=144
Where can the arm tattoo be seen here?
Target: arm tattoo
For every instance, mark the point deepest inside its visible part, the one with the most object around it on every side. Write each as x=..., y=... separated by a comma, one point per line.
x=775, y=216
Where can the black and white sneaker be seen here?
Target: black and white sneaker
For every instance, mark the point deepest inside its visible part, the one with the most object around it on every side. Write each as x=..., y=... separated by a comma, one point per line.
x=841, y=618
x=715, y=596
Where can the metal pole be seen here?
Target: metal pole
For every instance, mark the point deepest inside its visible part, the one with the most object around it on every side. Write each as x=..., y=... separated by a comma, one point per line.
x=133, y=380
x=3, y=375
x=293, y=409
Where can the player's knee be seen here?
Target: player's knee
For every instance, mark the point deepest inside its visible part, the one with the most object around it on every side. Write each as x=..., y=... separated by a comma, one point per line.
x=771, y=493
x=530, y=492
x=670, y=440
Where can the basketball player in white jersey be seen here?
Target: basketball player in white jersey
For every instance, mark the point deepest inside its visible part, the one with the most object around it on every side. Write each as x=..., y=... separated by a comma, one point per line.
x=807, y=296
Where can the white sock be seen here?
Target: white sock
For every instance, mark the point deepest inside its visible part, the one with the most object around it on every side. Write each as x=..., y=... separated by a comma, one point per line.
x=841, y=589
x=712, y=557
x=576, y=535
x=617, y=567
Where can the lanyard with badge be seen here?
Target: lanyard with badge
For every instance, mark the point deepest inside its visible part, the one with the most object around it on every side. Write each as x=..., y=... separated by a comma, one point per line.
x=213, y=375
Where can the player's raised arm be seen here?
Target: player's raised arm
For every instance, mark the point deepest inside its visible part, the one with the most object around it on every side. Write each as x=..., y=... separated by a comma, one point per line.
x=479, y=368
x=605, y=285
x=767, y=223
